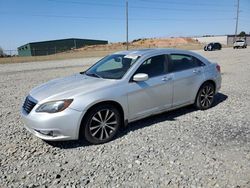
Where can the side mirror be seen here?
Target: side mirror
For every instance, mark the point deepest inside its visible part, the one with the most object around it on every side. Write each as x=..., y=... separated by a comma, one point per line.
x=140, y=77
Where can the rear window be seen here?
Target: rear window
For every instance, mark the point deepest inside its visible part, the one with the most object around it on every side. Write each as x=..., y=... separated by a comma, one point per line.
x=239, y=40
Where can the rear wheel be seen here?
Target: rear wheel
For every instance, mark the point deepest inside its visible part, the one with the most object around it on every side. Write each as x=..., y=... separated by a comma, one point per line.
x=205, y=96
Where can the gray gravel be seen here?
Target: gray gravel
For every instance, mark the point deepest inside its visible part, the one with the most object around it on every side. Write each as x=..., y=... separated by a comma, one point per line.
x=183, y=148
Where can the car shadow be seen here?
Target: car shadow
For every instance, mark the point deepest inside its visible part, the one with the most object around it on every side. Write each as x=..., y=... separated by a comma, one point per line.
x=168, y=116
x=165, y=116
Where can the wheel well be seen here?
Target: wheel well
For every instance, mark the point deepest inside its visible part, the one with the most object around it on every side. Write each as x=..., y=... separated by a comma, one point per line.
x=208, y=81
x=113, y=103
x=211, y=82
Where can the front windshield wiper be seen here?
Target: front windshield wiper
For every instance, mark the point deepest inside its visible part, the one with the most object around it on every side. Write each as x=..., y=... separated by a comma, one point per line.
x=93, y=74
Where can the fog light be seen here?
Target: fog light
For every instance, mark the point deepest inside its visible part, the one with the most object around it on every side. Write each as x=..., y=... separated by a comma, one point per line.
x=47, y=133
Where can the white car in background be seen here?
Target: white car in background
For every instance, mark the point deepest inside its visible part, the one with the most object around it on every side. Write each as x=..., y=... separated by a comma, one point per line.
x=240, y=44
x=120, y=88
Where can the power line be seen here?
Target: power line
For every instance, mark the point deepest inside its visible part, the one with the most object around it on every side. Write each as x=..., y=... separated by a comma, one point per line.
x=183, y=3
x=178, y=10
x=138, y=7
x=88, y=3
x=114, y=18
x=176, y=19
x=146, y=1
x=63, y=16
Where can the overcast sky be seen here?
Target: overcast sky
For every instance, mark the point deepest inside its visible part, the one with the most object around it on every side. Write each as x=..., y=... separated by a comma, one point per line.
x=24, y=21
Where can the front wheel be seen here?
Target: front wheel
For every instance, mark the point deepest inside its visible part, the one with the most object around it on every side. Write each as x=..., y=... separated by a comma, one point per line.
x=210, y=48
x=101, y=125
x=205, y=96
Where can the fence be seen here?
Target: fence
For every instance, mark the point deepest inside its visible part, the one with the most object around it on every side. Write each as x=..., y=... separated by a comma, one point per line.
x=11, y=56
x=8, y=53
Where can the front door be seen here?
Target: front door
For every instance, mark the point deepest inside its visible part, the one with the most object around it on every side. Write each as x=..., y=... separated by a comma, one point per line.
x=155, y=94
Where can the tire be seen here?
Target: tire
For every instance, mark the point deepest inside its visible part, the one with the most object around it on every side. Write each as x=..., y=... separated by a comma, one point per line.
x=210, y=48
x=205, y=96
x=101, y=124
x=205, y=48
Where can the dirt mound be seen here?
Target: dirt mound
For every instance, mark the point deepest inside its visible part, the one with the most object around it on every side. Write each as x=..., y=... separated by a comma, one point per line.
x=164, y=42
x=144, y=43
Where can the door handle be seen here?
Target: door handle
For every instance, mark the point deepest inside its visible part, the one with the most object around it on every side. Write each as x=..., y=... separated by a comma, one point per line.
x=166, y=79
x=196, y=71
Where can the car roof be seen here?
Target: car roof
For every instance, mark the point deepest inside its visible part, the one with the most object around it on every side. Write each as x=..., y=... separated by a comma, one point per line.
x=214, y=43
x=149, y=51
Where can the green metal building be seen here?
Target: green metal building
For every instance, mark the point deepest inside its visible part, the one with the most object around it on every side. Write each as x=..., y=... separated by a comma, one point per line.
x=55, y=46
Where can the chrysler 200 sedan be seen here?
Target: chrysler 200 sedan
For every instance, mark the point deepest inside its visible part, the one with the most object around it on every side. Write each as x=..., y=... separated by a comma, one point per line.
x=120, y=88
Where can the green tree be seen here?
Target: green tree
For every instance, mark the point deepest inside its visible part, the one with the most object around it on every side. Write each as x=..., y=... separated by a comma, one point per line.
x=242, y=34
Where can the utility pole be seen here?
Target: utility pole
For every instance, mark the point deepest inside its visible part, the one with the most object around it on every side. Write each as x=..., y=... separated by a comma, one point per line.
x=127, y=24
x=237, y=19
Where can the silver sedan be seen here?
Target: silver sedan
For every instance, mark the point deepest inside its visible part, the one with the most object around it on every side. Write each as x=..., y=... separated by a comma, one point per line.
x=120, y=88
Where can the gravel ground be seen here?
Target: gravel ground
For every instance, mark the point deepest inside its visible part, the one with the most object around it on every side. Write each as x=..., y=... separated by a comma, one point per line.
x=182, y=148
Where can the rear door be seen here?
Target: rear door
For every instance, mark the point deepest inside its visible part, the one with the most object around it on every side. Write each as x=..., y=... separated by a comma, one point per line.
x=187, y=77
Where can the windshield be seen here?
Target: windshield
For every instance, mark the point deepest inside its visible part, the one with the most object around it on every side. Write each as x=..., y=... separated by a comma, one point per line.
x=112, y=66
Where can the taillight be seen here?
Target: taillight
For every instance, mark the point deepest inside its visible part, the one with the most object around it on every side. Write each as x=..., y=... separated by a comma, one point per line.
x=218, y=68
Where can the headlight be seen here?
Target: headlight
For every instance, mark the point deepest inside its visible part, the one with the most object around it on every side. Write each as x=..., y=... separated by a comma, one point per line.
x=54, y=106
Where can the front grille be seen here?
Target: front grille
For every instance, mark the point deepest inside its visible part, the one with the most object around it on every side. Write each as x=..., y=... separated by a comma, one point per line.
x=29, y=104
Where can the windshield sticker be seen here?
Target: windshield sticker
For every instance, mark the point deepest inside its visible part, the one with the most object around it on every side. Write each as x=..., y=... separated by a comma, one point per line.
x=129, y=56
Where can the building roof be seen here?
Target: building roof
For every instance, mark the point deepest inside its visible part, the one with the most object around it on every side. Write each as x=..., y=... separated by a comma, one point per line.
x=39, y=42
x=247, y=35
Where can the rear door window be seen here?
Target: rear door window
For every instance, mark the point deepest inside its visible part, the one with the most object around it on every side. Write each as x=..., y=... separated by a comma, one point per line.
x=180, y=62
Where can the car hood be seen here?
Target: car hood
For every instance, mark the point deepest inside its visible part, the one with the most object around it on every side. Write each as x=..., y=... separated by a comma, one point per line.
x=68, y=87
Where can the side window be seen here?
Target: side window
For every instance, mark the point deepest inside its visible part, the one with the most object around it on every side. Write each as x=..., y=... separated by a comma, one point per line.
x=153, y=66
x=199, y=62
x=183, y=62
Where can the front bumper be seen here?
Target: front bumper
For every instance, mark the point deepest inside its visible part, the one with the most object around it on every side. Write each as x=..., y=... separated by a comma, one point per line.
x=59, y=126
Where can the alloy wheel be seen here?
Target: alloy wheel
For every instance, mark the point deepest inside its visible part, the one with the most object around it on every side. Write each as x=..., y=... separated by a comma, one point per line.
x=103, y=124
x=207, y=96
